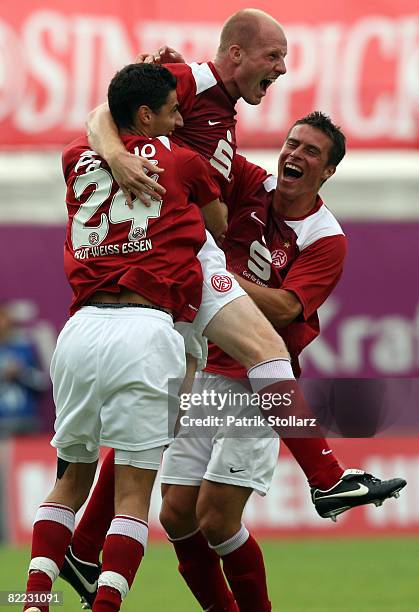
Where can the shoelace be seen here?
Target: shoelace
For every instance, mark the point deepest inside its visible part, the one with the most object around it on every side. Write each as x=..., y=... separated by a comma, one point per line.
x=371, y=478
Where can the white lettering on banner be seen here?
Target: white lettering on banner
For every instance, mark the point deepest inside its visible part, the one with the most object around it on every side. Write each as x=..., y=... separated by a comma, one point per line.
x=364, y=33
x=389, y=344
x=95, y=70
x=12, y=81
x=42, y=27
x=407, y=109
x=342, y=87
x=366, y=74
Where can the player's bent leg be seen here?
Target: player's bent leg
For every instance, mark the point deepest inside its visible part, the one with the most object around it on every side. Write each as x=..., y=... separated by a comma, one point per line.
x=241, y=330
x=183, y=466
x=219, y=512
x=198, y=565
x=126, y=540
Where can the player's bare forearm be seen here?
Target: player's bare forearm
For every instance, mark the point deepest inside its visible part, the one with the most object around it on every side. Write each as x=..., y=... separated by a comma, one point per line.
x=215, y=216
x=279, y=306
x=129, y=171
x=102, y=133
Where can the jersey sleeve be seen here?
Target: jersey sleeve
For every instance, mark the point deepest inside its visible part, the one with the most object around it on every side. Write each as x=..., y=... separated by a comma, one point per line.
x=316, y=271
x=196, y=177
x=186, y=85
x=248, y=179
x=67, y=161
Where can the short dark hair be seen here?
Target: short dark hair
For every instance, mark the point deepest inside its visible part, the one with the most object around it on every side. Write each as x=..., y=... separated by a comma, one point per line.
x=137, y=85
x=323, y=123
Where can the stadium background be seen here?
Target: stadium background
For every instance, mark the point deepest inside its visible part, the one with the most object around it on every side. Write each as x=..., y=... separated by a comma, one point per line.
x=360, y=63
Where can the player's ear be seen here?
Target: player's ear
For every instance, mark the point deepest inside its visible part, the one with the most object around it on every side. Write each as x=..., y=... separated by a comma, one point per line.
x=235, y=53
x=144, y=114
x=328, y=172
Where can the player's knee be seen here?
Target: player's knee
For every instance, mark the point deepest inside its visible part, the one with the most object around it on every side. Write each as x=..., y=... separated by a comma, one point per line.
x=213, y=524
x=269, y=342
x=173, y=515
x=262, y=343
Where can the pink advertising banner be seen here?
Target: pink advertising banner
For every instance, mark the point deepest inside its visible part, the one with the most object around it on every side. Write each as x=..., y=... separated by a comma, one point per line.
x=286, y=510
x=357, y=61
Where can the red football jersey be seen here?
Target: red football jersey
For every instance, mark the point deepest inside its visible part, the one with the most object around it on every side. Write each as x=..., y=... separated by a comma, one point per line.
x=303, y=255
x=209, y=118
x=151, y=251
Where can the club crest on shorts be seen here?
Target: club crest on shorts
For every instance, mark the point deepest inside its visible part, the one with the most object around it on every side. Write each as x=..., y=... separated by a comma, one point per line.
x=279, y=258
x=221, y=282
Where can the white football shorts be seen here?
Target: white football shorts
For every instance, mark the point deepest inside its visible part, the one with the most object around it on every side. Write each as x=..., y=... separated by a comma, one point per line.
x=217, y=453
x=110, y=372
x=219, y=288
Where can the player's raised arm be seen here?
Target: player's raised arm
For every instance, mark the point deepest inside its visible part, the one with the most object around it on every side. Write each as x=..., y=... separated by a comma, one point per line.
x=127, y=169
x=279, y=306
x=215, y=216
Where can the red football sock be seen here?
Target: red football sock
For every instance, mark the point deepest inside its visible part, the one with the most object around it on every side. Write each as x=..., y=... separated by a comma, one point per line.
x=317, y=461
x=122, y=553
x=52, y=531
x=245, y=571
x=301, y=433
x=200, y=567
x=90, y=534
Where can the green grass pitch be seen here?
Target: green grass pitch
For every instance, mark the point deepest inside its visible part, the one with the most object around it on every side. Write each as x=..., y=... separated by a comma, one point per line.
x=371, y=575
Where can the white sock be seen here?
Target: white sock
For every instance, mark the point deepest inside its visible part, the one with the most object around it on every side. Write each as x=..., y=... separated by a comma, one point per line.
x=227, y=547
x=267, y=372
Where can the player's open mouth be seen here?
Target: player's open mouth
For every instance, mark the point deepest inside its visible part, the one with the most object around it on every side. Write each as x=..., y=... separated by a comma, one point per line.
x=292, y=172
x=265, y=83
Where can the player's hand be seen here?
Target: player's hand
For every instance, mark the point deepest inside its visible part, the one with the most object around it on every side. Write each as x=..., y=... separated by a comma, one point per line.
x=163, y=55
x=134, y=174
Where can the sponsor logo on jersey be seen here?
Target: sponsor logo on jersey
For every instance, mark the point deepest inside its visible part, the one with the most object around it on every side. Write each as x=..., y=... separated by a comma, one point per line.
x=221, y=282
x=279, y=258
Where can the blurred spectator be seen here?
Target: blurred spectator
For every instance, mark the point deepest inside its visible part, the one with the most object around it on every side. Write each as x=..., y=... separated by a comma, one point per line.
x=22, y=380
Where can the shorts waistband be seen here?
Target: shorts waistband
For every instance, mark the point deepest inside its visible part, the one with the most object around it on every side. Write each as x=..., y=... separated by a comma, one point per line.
x=130, y=310
x=126, y=305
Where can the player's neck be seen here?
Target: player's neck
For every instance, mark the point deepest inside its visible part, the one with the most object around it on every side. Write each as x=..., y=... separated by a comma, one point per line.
x=226, y=74
x=294, y=207
x=137, y=131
